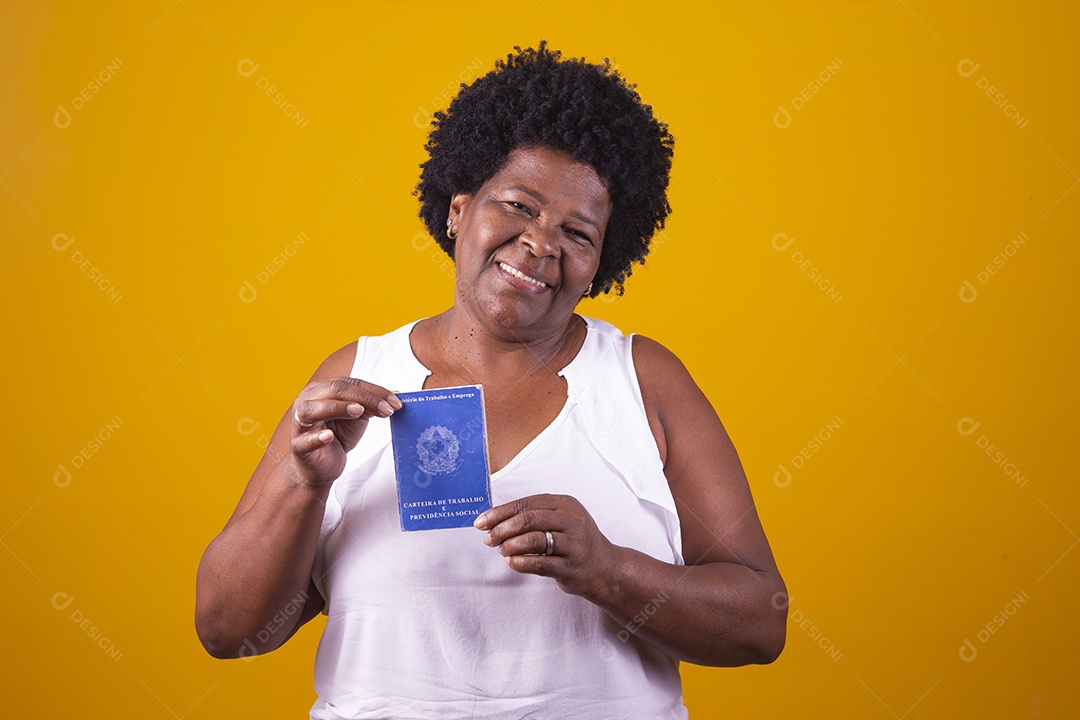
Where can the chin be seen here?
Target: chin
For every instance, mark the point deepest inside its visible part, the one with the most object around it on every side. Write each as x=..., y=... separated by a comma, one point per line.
x=524, y=313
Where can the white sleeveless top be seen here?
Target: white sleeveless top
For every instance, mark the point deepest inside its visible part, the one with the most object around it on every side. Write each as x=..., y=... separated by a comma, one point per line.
x=434, y=624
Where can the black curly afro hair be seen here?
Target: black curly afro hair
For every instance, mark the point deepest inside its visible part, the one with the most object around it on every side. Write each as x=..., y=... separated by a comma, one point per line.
x=538, y=98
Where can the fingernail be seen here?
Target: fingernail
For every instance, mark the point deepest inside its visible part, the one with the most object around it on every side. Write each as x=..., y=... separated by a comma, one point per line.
x=355, y=409
x=326, y=435
x=487, y=540
x=479, y=521
x=385, y=409
x=393, y=400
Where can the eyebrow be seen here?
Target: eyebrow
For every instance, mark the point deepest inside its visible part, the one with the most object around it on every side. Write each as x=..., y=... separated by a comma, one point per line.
x=541, y=199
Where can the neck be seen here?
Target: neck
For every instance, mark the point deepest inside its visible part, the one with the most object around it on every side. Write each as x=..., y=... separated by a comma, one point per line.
x=498, y=354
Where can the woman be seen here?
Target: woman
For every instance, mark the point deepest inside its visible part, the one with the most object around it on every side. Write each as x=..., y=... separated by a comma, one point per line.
x=623, y=536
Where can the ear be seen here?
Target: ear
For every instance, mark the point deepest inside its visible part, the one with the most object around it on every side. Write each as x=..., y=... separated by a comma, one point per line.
x=458, y=203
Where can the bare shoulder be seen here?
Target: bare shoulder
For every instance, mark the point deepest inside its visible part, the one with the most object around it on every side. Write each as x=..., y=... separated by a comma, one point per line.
x=338, y=364
x=653, y=360
x=666, y=386
x=710, y=489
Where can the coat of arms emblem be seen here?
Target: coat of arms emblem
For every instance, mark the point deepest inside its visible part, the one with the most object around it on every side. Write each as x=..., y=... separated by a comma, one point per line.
x=438, y=450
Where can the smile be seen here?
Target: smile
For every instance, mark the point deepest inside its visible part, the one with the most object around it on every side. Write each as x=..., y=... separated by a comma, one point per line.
x=518, y=274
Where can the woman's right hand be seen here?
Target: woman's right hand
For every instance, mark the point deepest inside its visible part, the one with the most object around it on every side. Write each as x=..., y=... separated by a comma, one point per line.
x=329, y=418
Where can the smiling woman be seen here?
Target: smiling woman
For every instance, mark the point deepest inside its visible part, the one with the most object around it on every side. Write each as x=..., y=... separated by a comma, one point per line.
x=554, y=208
x=623, y=537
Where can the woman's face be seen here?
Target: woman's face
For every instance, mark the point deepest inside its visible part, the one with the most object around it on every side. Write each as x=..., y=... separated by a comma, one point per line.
x=528, y=241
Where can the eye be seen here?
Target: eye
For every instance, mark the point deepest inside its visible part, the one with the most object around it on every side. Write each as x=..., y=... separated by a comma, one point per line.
x=517, y=206
x=579, y=235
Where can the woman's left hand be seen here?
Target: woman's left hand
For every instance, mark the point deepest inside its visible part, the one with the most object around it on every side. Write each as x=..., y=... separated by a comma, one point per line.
x=582, y=560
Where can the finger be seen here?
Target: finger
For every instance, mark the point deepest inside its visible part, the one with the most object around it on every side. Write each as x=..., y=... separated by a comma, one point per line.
x=307, y=413
x=493, y=516
x=538, y=565
x=367, y=394
x=525, y=522
x=534, y=543
x=376, y=401
x=308, y=442
x=356, y=390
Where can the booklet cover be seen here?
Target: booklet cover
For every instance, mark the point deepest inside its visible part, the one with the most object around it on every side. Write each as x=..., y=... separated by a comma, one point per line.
x=440, y=457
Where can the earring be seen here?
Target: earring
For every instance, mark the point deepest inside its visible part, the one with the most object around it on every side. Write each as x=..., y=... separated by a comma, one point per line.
x=588, y=291
x=450, y=229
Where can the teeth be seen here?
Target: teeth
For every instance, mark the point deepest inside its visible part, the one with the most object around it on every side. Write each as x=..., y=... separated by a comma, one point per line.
x=518, y=274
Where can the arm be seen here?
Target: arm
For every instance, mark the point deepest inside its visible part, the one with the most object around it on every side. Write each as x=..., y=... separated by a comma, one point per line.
x=254, y=587
x=721, y=608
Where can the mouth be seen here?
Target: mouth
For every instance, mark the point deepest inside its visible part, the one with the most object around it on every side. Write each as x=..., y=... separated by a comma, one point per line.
x=511, y=270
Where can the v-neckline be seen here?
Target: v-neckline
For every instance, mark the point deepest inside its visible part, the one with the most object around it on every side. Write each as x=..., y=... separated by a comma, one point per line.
x=572, y=390
x=529, y=446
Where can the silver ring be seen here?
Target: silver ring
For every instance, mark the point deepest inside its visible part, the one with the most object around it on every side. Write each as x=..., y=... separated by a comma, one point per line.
x=550, y=543
x=296, y=417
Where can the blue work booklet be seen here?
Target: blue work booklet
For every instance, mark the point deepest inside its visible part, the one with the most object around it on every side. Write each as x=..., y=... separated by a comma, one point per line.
x=440, y=457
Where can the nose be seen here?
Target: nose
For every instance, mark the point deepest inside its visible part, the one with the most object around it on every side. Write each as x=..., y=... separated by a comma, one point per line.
x=542, y=240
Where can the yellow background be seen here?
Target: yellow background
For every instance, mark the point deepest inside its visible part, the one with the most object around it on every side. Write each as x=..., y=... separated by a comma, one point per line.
x=899, y=179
